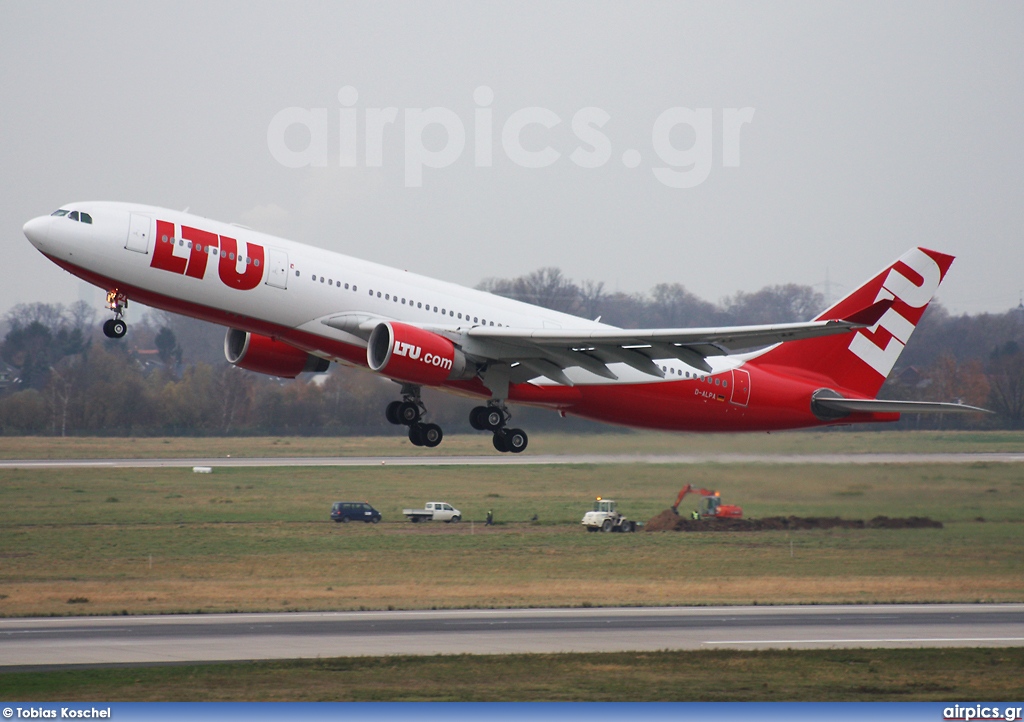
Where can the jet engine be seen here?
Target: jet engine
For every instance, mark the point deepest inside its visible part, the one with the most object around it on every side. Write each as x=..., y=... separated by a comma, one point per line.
x=407, y=353
x=266, y=355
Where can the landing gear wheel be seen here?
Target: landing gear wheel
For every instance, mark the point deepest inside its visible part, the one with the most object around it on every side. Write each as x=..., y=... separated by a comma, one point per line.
x=493, y=419
x=408, y=413
x=416, y=434
x=430, y=435
x=391, y=412
x=477, y=418
x=516, y=440
x=115, y=328
x=499, y=442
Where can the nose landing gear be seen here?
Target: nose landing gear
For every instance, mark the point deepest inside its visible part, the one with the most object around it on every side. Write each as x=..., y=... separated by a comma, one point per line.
x=495, y=417
x=409, y=411
x=116, y=326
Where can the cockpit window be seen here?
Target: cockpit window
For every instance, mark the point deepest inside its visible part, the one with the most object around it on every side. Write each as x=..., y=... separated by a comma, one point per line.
x=73, y=215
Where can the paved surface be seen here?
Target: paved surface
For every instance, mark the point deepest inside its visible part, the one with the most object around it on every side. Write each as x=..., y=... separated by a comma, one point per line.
x=514, y=459
x=50, y=642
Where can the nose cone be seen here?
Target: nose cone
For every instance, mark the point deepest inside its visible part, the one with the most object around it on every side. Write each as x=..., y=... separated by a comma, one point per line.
x=37, y=230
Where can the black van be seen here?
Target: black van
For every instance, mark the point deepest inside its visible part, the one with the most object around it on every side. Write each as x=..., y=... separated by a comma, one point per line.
x=344, y=511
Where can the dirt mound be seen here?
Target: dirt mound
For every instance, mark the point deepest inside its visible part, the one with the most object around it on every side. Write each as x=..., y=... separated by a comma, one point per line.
x=668, y=521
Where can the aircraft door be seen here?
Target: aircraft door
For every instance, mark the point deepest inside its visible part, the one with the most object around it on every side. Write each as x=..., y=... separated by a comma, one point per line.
x=139, y=233
x=277, y=275
x=740, y=387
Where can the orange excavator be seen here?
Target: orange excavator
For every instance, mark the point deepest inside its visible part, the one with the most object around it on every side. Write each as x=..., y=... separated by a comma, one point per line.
x=710, y=504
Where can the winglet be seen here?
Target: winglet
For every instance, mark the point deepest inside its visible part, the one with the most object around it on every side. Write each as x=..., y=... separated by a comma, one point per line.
x=871, y=315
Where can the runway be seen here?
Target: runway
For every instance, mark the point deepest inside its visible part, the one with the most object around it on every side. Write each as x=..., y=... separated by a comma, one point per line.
x=520, y=460
x=34, y=643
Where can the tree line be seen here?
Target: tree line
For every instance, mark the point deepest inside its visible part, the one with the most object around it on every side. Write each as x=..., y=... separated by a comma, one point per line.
x=61, y=376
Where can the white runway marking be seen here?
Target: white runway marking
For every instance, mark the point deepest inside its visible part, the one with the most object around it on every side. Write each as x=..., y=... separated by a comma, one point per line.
x=192, y=638
x=522, y=460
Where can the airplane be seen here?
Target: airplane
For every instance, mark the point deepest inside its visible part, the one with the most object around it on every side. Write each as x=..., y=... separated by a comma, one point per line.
x=291, y=308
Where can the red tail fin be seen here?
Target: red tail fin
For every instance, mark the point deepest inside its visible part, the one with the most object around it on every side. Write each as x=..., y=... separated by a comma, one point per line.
x=860, y=362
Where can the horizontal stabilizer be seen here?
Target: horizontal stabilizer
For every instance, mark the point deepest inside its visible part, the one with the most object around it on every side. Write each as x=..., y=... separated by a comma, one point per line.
x=889, y=407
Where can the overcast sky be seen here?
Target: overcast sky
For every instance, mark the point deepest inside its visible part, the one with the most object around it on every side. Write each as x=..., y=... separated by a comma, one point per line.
x=819, y=137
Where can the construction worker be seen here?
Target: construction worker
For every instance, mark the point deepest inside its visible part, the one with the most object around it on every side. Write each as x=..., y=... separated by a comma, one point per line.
x=490, y=518
x=695, y=515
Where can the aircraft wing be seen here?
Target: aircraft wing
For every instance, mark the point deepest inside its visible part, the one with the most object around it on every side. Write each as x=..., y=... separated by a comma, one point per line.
x=548, y=352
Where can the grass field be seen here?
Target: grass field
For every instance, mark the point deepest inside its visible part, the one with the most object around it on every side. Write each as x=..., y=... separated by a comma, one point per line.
x=168, y=540
x=624, y=442
x=103, y=541
x=901, y=675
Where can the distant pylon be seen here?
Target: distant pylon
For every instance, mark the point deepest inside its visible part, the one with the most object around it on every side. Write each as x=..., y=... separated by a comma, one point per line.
x=826, y=288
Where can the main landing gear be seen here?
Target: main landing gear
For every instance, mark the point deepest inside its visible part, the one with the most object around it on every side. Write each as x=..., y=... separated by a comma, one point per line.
x=494, y=417
x=116, y=327
x=409, y=411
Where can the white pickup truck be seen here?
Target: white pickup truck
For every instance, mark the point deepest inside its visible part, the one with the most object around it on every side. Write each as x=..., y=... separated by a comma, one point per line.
x=434, y=511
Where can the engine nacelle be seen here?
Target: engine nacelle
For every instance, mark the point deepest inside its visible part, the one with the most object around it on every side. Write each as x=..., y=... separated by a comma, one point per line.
x=407, y=353
x=269, y=356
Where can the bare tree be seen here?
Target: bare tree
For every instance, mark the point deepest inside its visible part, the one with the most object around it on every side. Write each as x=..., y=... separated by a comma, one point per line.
x=1006, y=381
x=775, y=304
